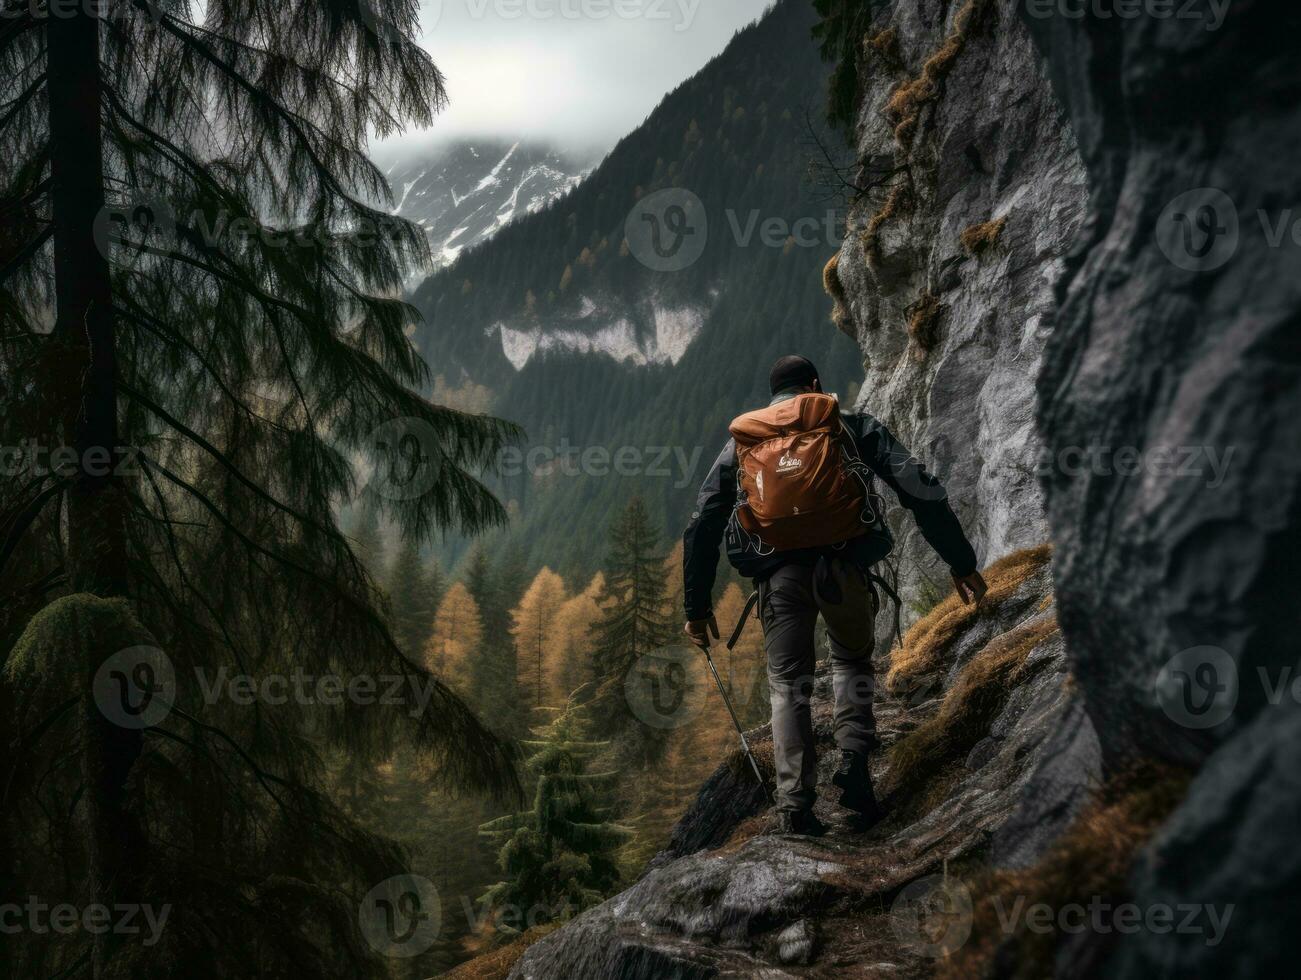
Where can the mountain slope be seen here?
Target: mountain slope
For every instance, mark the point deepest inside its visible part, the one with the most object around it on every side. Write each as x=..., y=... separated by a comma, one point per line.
x=464, y=193
x=652, y=361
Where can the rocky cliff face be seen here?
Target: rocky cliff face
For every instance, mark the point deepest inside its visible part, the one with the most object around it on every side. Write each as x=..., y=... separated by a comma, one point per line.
x=948, y=268
x=1178, y=339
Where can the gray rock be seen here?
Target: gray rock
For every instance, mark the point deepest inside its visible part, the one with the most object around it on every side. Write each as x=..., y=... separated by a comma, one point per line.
x=795, y=943
x=993, y=146
x=1164, y=351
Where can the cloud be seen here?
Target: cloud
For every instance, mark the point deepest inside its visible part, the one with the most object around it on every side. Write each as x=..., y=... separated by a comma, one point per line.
x=581, y=73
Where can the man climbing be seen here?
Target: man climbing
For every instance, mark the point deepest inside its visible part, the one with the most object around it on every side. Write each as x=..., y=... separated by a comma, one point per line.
x=793, y=495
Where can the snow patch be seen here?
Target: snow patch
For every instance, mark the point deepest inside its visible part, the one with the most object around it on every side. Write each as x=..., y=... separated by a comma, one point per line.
x=675, y=329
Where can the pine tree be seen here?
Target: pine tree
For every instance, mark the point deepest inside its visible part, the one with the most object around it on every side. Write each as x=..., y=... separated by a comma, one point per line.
x=412, y=601
x=634, y=622
x=560, y=856
x=367, y=541
x=536, y=640
x=189, y=267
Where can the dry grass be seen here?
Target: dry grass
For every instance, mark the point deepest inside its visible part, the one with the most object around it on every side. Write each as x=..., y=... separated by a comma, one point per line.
x=495, y=965
x=908, y=99
x=1092, y=858
x=836, y=290
x=886, y=46
x=969, y=707
x=926, y=643
x=978, y=239
x=924, y=320
x=896, y=202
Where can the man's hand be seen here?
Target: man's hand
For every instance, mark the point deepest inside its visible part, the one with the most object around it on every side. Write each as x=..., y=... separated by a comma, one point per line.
x=698, y=631
x=971, y=588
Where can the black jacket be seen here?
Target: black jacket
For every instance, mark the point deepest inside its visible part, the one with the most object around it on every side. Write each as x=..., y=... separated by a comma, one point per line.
x=918, y=491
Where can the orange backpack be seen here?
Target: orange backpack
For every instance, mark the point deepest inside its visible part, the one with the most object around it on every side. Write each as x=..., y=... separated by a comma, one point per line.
x=797, y=485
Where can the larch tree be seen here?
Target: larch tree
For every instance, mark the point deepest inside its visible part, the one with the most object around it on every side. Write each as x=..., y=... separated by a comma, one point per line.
x=536, y=640
x=570, y=667
x=197, y=302
x=456, y=640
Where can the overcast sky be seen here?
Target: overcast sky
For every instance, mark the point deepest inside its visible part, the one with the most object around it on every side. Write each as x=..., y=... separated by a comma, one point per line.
x=580, y=72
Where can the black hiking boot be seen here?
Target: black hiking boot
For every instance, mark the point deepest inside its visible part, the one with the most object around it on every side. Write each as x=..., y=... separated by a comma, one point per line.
x=854, y=778
x=800, y=823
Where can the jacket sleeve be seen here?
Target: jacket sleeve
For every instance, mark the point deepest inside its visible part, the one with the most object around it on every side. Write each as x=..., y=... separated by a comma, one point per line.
x=704, y=535
x=919, y=492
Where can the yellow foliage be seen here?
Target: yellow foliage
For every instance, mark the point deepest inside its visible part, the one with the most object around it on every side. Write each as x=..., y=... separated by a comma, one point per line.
x=534, y=631
x=456, y=639
x=926, y=643
x=570, y=667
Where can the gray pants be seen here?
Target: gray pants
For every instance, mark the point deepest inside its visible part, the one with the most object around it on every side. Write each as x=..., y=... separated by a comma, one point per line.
x=789, y=604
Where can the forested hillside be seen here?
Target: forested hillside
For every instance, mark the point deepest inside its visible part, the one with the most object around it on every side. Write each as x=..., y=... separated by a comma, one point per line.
x=652, y=362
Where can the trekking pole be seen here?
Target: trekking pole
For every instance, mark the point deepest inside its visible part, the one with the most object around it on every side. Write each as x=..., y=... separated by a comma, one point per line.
x=736, y=635
x=745, y=746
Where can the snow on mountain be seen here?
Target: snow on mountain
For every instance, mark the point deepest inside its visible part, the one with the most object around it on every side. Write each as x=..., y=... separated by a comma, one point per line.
x=463, y=193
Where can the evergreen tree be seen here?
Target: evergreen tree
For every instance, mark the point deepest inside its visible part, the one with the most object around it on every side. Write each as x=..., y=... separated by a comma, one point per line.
x=493, y=682
x=413, y=599
x=634, y=621
x=366, y=540
x=189, y=267
x=560, y=856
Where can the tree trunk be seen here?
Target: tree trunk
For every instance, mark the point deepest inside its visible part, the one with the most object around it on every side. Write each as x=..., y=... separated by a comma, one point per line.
x=86, y=390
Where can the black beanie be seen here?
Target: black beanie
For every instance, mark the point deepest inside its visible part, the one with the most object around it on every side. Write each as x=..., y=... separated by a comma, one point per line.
x=791, y=371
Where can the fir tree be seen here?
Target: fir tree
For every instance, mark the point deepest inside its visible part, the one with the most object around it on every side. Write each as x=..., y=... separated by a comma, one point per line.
x=190, y=267
x=493, y=685
x=634, y=621
x=560, y=856
x=413, y=599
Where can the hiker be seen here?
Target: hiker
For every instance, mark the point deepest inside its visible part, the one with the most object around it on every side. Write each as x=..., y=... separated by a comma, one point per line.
x=806, y=524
